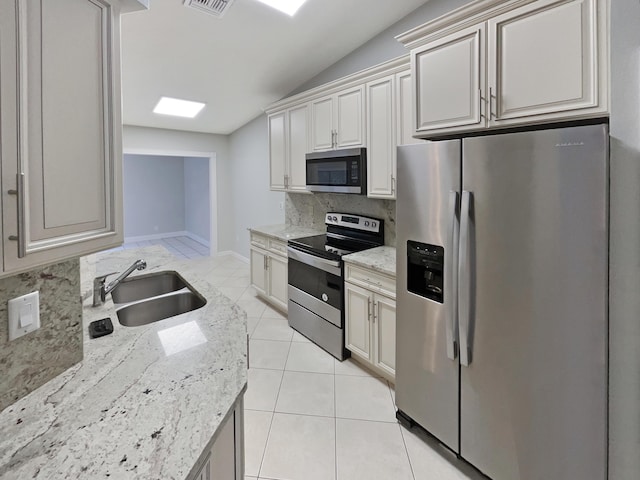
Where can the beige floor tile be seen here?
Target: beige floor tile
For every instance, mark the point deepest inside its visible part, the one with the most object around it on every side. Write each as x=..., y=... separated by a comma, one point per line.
x=352, y=368
x=272, y=312
x=308, y=357
x=254, y=308
x=307, y=394
x=364, y=398
x=256, y=432
x=268, y=354
x=273, y=329
x=432, y=461
x=262, y=390
x=252, y=323
x=242, y=281
x=371, y=451
x=300, y=448
x=233, y=293
x=300, y=338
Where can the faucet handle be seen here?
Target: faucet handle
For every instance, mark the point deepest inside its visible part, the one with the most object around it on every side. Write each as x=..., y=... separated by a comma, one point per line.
x=102, y=278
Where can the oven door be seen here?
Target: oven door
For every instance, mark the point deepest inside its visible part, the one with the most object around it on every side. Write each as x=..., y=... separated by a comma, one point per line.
x=316, y=284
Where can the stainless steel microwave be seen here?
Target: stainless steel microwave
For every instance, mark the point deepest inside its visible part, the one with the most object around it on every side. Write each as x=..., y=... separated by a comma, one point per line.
x=338, y=171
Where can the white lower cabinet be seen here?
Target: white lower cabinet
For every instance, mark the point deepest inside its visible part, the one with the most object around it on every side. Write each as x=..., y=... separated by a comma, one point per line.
x=370, y=323
x=269, y=270
x=225, y=459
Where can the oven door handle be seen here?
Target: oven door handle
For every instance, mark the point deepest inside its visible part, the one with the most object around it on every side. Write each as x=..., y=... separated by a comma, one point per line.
x=330, y=266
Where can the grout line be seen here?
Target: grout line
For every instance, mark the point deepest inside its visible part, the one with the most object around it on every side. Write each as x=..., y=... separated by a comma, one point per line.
x=404, y=442
x=273, y=414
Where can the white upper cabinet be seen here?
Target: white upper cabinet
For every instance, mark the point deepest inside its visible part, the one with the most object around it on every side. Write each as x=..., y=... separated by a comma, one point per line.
x=404, y=109
x=288, y=145
x=558, y=41
x=299, y=122
x=278, y=150
x=61, y=129
x=449, y=81
x=510, y=62
x=338, y=120
x=381, y=145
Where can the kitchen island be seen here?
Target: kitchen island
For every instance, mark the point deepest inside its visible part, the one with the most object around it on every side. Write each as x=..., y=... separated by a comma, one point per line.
x=146, y=402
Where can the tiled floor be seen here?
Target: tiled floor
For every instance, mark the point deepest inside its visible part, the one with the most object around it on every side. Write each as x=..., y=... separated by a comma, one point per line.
x=181, y=247
x=310, y=417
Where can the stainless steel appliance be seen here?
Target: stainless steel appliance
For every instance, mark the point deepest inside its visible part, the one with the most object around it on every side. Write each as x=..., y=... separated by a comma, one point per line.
x=337, y=171
x=316, y=295
x=502, y=326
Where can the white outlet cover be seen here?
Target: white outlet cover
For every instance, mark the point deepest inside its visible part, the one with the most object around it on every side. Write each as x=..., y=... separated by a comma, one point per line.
x=24, y=315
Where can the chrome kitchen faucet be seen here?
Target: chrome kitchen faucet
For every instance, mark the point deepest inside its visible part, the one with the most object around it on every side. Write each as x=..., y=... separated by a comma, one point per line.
x=100, y=291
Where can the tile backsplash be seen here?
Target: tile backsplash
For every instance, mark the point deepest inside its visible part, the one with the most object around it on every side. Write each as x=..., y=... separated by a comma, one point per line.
x=309, y=210
x=34, y=359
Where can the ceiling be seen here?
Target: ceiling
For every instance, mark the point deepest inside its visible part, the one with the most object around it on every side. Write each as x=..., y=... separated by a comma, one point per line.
x=242, y=62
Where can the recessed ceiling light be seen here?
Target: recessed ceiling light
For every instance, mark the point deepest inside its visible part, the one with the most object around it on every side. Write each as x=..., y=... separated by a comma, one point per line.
x=177, y=107
x=290, y=7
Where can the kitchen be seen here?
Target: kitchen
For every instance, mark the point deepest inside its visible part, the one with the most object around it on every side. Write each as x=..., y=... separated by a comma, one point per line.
x=254, y=205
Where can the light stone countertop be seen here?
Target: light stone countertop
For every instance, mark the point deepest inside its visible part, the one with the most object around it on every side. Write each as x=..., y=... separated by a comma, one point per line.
x=379, y=259
x=286, y=232
x=145, y=401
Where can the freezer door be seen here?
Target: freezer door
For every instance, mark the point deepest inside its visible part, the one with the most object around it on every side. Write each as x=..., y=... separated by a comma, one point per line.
x=427, y=366
x=533, y=304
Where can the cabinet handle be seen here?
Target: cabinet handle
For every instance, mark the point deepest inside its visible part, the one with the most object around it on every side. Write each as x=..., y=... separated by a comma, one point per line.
x=375, y=313
x=19, y=193
x=369, y=309
x=266, y=263
x=491, y=97
x=393, y=185
x=481, y=100
x=286, y=181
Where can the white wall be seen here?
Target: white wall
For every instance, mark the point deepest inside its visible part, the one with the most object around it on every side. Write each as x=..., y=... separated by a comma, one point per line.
x=155, y=140
x=154, y=195
x=624, y=307
x=197, y=218
x=253, y=203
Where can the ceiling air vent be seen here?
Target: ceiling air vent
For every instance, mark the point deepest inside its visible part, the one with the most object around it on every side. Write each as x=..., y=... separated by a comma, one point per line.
x=217, y=8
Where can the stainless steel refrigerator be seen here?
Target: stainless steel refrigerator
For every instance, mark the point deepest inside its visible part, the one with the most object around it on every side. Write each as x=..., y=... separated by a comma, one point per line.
x=502, y=285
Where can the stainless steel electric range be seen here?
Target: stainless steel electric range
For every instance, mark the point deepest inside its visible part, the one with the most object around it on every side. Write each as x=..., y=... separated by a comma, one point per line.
x=316, y=287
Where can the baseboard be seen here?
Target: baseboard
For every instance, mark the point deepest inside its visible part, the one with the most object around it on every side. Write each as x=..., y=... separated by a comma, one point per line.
x=157, y=236
x=236, y=255
x=198, y=239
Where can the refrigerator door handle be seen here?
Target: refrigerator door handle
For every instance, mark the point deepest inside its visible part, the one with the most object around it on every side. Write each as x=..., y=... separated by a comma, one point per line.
x=464, y=278
x=451, y=275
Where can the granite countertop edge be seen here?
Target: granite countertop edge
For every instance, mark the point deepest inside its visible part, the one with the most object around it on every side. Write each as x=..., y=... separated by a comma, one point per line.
x=145, y=401
x=379, y=259
x=285, y=232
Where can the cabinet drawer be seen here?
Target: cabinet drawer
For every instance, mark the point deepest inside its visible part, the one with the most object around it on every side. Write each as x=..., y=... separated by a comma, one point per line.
x=374, y=281
x=259, y=240
x=278, y=246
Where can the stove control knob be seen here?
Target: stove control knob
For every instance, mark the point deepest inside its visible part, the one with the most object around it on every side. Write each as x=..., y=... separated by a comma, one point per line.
x=374, y=224
x=329, y=217
x=325, y=297
x=366, y=224
x=335, y=219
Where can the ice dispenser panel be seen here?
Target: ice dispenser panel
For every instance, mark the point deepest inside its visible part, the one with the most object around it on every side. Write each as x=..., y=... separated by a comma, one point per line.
x=425, y=267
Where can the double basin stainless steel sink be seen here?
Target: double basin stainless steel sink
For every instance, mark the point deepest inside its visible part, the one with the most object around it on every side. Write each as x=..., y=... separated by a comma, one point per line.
x=149, y=298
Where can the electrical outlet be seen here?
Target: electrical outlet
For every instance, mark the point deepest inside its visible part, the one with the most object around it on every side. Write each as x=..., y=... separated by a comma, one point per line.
x=24, y=315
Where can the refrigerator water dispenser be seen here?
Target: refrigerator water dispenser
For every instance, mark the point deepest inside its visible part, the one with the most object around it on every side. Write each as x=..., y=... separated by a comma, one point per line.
x=425, y=267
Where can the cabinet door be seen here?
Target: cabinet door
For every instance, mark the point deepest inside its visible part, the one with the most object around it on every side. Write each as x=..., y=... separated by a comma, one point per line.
x=65, y=132
x=358, y=304
x=299, y=121
x=278, y=280
x=404, y=109
x=322, y=137
x=222, y=463
x=278, y=150
x=384, y=335
x=543, y=60
x=259, y=270
x=349, y=118
x=449, y=78
x=381, y=150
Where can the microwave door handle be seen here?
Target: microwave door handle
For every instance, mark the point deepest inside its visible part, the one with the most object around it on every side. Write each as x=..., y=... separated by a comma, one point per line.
x=451, y=276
